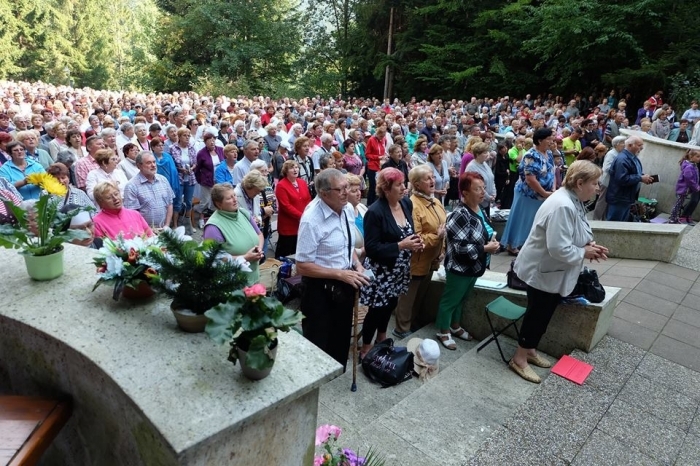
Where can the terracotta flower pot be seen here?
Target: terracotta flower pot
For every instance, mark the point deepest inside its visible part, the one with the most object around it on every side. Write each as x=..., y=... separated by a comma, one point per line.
x=254, y=374
x=188, y=320
x=142, y=291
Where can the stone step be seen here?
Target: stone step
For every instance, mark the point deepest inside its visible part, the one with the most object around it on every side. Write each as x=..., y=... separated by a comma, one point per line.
x=441, y=422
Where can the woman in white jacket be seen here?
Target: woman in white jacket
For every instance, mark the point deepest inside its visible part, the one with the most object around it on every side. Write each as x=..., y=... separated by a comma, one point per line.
x=552, y=258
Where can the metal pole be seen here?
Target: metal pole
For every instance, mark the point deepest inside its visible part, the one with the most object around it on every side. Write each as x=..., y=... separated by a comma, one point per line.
x=387, y=72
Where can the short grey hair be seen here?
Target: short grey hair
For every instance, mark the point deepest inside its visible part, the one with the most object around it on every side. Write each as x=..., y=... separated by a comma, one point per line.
x=324, y=178
x=258, y=164
x=251, y=142
x=107, y=132
x=49, y=126
x=65, y=157
x=142, y=154
x=125, y=127
x=618, y=140
x=139, y=126
x=326, y=137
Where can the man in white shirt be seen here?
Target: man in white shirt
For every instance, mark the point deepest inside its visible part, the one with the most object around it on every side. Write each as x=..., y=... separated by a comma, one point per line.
x=329, y=266
x=251, y=150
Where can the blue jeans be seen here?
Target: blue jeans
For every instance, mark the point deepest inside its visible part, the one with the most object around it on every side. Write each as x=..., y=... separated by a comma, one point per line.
x=187, y=192
x=618, y=212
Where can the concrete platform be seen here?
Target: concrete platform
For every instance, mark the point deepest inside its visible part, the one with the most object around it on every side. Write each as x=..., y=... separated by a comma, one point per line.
x=639, y=241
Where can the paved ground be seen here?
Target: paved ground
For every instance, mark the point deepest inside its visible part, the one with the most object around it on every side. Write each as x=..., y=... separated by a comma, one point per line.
x=640, y=405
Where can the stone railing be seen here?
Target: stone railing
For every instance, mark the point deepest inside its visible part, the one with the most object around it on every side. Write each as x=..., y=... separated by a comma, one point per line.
x=144, y=392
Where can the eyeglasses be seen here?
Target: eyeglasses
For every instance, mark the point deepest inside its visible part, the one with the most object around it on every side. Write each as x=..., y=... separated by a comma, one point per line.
x=342, y=189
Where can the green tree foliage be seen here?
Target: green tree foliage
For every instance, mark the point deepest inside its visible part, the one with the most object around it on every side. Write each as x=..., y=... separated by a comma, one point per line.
x=459, y=48
x=238, y=40
x=102, y=44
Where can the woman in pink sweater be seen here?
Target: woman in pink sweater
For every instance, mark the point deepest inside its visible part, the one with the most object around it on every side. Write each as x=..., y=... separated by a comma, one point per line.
x=114, y=220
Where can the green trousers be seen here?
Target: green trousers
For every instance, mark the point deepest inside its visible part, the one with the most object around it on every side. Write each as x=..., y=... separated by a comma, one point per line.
x=457, y=289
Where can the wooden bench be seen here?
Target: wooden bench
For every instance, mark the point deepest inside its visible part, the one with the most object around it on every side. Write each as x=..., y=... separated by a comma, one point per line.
x=28, y=425
x=572, y=326
x=645, y=241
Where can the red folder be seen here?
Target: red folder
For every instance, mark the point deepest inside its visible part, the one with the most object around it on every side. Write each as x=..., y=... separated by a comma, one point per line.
x=572, y=369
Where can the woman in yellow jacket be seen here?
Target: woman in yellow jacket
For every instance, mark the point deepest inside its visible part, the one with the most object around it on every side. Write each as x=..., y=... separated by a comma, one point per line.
x=429, y=221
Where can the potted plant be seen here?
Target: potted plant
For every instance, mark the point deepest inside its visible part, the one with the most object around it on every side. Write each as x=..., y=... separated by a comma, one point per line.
x=41, y=229
x=125, y=264
x=198, y=276
x=249, y=321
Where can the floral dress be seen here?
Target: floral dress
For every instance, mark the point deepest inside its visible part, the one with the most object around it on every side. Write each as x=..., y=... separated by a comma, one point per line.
x=388, y=282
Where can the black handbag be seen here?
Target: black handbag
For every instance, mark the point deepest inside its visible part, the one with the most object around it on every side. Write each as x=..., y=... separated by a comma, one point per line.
x=387, y=364
x=513, y=280
x=589, y=286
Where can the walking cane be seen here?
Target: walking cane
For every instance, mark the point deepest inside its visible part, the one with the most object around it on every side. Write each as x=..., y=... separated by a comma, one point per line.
x=355, y=311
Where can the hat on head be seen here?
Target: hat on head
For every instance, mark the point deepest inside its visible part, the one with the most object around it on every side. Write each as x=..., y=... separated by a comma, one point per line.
x=426, y=356
x=285, y=145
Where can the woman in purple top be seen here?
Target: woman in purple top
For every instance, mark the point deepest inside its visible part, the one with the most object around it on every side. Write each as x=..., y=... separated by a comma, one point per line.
x=207, y=160
x=688, y=184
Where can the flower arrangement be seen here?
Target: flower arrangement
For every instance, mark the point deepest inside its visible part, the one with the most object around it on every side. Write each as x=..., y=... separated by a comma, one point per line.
x=249, y=320
x=42, y=228
x=198, y=276
x=327, y=437
x=126, y=262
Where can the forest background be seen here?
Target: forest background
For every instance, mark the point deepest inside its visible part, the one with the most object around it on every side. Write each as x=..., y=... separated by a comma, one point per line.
x=440, y=48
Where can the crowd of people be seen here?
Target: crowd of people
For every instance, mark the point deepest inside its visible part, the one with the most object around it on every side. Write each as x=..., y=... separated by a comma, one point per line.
x=228, y=166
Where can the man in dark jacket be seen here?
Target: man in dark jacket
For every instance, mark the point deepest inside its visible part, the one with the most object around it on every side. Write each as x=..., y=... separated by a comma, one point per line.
x=625, y=176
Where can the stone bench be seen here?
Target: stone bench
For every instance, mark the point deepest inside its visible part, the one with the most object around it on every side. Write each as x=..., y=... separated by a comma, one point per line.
x=643, y=241
x=572, y=326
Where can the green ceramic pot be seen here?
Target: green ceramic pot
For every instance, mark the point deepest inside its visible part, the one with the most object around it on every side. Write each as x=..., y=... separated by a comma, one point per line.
x=44, y=267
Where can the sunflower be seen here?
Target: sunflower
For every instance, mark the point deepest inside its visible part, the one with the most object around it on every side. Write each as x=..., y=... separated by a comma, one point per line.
x=48, y=183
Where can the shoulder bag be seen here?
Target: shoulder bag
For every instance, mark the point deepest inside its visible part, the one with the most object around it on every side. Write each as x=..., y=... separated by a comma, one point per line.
x=387, y=364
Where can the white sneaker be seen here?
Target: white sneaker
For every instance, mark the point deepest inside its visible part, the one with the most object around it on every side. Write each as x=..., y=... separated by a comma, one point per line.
x=200, y=223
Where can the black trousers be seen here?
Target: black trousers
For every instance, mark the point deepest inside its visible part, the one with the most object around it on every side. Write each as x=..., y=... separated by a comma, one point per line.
x=377, y=320
x=509, y=191
x=540, y=308
x=286, y=245
x=327, y=323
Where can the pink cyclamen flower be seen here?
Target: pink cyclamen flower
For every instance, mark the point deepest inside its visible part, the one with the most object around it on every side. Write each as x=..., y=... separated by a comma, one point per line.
x=254, y=291
x=324, y=432
x=318, y=460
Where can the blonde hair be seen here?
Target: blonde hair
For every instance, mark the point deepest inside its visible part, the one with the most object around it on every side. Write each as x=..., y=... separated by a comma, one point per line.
x=581, y=170
x=254, y=179
x=479, y=148
x=418, y=172
x=287, y=165
x=102, y=189
x=528, y=143
x=353, y=180
x=471, y=143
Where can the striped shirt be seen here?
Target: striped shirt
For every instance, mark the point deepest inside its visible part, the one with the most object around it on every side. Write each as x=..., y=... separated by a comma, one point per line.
x=150, y=198
x=323, y=236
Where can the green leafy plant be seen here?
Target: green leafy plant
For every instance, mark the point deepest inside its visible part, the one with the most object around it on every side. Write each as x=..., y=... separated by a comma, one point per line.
x=41, y=229
x=198, y=276
x=249, y=320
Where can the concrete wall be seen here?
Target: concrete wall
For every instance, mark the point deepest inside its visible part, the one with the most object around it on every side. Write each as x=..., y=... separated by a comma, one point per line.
x=144, y=392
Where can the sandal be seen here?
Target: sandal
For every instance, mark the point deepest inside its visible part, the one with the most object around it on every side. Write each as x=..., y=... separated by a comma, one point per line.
x=513, y=252
x=525, y=372
x=448, y=342
x=539, y=361
x=461, y=334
